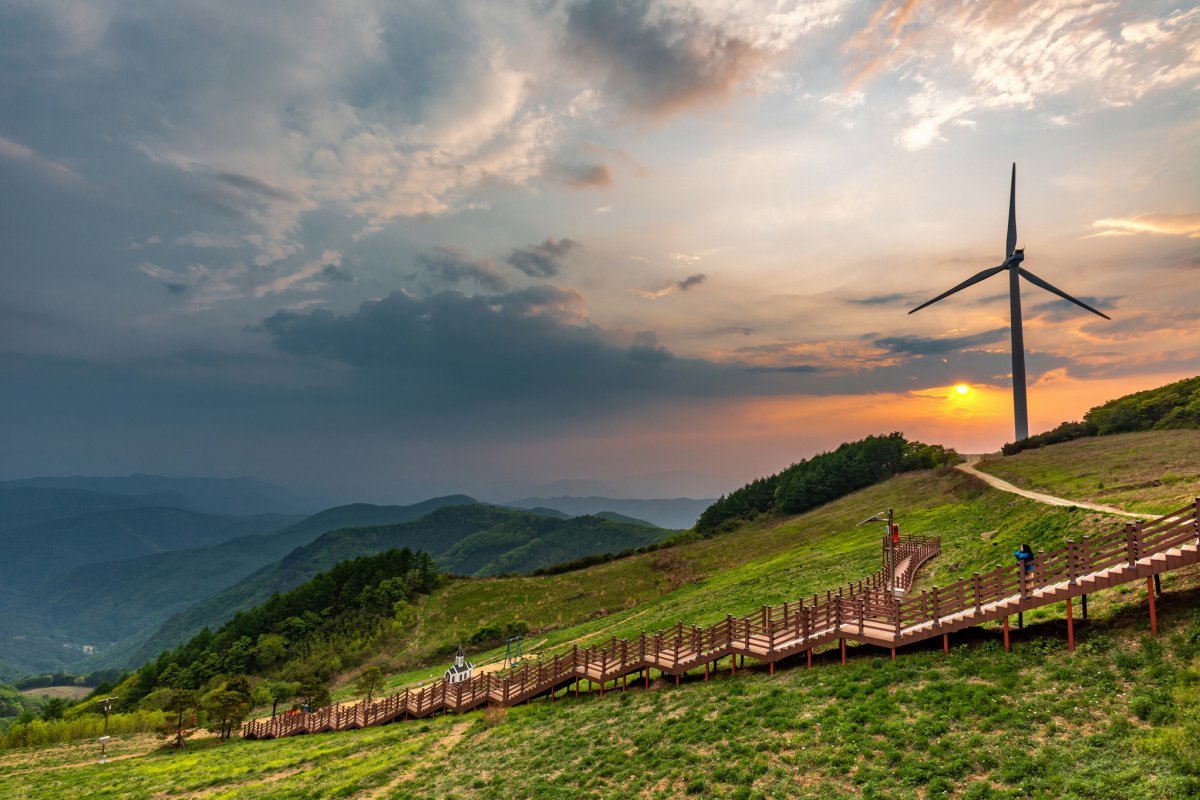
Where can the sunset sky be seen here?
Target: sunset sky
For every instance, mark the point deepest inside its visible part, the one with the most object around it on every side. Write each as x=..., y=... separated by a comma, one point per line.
x=385, y=250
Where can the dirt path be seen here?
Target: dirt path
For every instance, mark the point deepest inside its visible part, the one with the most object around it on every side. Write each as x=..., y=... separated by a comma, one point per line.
x=1049, y=499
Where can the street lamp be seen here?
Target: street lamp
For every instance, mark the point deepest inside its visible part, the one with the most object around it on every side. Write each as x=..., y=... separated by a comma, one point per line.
x=106, y=706
x=889, y=546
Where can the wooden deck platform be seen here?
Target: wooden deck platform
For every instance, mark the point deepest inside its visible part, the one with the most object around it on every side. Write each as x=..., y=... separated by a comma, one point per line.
x=865, y=611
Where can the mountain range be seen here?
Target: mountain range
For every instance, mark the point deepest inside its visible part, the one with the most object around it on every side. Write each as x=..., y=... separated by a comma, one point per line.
x=677, y=513
x=95, y=579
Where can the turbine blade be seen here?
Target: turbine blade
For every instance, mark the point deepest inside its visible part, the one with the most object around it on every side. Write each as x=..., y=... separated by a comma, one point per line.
x=1012, y=215
x=974, y=279
x=1036, y=281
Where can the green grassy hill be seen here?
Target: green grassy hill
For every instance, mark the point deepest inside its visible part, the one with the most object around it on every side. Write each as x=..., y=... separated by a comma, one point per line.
x=1114, y=719
x=1152, y=472
x=702, y=580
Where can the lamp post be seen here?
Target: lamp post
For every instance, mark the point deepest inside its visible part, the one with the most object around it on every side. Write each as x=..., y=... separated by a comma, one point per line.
x=106, y=706
x=889, y=545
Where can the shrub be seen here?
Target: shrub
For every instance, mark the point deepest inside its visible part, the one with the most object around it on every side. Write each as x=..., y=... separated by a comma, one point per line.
x=41, y=732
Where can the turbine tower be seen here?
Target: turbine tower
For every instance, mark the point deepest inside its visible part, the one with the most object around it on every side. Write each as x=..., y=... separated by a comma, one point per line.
x=1012, y=262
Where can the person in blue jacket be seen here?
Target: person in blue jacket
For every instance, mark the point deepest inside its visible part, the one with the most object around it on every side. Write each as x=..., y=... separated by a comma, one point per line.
x=1025, y=556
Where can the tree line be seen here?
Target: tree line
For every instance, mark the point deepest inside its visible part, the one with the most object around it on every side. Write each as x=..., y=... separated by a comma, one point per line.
x=284, y=651
x=822, y=478
x=1176, y=405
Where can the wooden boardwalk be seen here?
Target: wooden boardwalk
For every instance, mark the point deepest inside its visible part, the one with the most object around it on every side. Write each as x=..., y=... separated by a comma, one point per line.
x=863, y=612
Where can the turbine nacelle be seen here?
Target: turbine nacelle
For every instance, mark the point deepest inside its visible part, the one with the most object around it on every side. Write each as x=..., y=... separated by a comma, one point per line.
x=1016, y=258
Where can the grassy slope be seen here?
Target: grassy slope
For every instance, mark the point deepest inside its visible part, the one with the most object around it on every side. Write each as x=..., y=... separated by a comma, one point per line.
x=1117, y=470
x=1038, y=722
x=700, y=582
x=978, y=724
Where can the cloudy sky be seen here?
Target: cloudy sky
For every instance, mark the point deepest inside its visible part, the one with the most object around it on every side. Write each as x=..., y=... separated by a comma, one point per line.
x=390, y=249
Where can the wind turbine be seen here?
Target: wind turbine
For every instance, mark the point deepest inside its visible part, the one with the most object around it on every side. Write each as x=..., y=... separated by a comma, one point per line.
x=1012, y=263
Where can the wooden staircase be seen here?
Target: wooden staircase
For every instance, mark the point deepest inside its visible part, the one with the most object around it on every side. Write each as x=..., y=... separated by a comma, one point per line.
x=865, y=611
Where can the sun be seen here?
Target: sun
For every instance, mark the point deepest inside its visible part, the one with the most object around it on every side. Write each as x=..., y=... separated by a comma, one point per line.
x=962, y=389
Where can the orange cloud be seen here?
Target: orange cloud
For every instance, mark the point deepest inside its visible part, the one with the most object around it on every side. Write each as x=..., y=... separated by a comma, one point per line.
x=1164, y=224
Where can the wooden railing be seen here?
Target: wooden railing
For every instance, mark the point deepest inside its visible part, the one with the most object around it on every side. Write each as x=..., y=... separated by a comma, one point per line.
x=864, y=611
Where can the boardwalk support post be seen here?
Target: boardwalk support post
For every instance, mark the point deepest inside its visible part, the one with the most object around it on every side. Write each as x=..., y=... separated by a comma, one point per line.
x=1084, y=602
x=946, y=643
x=1007, y=642
x=843, y=641
x=809, y=658
x=1153, y=615
x=1070, y=628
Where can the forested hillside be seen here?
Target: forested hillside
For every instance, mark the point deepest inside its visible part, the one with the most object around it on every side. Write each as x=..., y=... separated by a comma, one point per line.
x=1176, y=405
x=489, y=540
x=312, y=631
x=115, y=606
x=129, y=596
x=824, y=477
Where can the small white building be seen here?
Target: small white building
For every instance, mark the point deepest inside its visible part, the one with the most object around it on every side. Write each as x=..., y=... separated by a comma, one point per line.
x=461, y=671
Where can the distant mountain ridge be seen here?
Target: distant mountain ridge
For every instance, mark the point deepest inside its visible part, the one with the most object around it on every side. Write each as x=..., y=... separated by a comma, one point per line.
x=477, y=539
x=240, y=496
x=675, y=513
x=21, y=506
x=35, y=552
x=125, y=600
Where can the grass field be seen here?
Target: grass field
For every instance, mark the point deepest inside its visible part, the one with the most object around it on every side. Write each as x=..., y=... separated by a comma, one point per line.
x=1116, y=719
x=1154, y=472
x=768, y=562
x=1113, y=720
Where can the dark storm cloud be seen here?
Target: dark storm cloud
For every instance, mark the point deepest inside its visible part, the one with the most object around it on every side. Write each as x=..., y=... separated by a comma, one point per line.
x=646, y=349
x=794, y=369
x=246, y=183
x=543, y=260
x=332, y=274
x=583, y=176
x=515, y=357
x=657, y=63
x=880, y=300
x=453, y=266
x=1060, y=310
x=674, y=288
x=922, y=346
x=528, y=349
